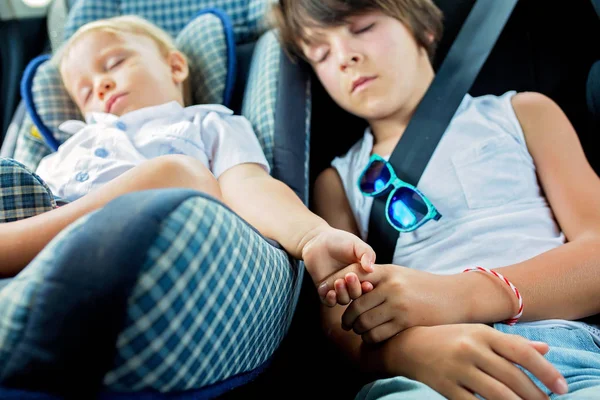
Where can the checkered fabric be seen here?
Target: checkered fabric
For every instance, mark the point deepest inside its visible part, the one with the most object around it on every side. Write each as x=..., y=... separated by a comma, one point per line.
x=22, y=193
x=172, y=15
x=214, y=300
x=54, y=106
x=203, y=41
x=261, y=96
x=261, y=93
x=17, y=297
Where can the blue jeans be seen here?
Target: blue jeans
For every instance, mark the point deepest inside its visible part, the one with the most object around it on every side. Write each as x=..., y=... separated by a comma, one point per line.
x=572, y=351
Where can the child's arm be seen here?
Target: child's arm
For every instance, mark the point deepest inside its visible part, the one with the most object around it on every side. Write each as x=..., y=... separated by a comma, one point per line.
x=563, y=282
x=31, y=235
x=275, y=210
x=453, y=359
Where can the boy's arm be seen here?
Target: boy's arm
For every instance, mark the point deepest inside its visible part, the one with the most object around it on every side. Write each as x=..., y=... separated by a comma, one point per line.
x=275, y=210
x=331, y=202
x=453, y=359
x=562, y=282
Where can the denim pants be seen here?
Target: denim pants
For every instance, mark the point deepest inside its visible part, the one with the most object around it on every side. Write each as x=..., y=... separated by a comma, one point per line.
x=572, y=351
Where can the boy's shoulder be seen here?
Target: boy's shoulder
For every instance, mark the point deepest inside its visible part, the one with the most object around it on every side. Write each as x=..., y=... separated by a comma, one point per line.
x=491, y=107
x=486, y=102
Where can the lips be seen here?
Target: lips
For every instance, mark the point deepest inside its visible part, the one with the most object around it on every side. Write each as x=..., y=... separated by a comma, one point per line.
x=111, y=101
x=357, y=83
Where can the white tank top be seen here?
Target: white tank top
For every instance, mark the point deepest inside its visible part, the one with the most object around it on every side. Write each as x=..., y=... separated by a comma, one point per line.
x=483, y=181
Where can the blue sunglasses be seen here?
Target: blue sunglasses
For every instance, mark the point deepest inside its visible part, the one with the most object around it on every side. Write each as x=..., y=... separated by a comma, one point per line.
x=406, y=208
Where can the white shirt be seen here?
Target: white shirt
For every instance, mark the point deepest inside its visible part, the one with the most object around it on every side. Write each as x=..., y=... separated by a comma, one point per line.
x=107, y=145
x=483, y=181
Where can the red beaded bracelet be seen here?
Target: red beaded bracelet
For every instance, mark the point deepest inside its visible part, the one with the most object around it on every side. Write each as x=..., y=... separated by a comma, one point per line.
x=514, y=319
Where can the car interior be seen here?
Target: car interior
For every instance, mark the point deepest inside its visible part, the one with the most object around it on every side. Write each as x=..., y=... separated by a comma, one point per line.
x=76, y=324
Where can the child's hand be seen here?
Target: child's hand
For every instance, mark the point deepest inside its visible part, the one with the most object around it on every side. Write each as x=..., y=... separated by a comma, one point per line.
x=330, y=251
x=345, y=289
x=399, y=298
x=462, y=361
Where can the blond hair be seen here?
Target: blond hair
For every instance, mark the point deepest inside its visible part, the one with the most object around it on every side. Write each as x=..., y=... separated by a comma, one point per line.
x=132, y=24
x=122, y=24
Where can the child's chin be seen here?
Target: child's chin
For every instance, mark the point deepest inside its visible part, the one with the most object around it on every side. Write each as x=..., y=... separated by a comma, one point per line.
x=377, y=110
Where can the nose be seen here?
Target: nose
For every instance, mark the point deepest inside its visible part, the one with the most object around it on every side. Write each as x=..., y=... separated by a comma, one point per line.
x=350, y=61
x=347, y=54
x=104, y=87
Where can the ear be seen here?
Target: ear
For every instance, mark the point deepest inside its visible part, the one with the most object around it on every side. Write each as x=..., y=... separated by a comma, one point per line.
x=179, y=66
x=430, y=37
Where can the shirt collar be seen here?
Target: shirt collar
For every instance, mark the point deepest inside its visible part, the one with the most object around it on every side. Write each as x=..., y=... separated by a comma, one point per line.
x=145, y=114
x=141, y=115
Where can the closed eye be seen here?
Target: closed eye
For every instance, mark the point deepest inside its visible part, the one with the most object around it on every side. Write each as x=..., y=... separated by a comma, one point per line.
x=87, y=94
x=323, y=57
x=365, y=29
x=114, y=63
x=318, y=54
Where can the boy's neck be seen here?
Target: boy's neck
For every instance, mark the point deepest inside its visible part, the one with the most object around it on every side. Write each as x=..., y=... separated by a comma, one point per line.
x=388, y=131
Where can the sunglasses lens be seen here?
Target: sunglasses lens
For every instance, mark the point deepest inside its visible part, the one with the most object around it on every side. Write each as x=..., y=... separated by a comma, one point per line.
x=407, y=208
x=376, y=178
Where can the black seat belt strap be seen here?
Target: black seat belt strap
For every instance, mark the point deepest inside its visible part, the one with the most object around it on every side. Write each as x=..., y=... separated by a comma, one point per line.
x=455, y=77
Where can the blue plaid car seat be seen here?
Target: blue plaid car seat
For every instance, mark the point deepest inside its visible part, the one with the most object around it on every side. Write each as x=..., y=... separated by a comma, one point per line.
x=165, y=293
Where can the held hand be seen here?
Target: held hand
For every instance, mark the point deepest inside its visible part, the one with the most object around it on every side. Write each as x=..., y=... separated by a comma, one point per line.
x=402, y=298
x=331, y=250
x=460, y=361
x=345, y=289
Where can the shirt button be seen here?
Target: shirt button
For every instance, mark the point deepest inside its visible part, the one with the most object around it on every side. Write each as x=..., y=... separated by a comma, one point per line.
x=121, y=125
x=101, y=152
x=82, y=177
